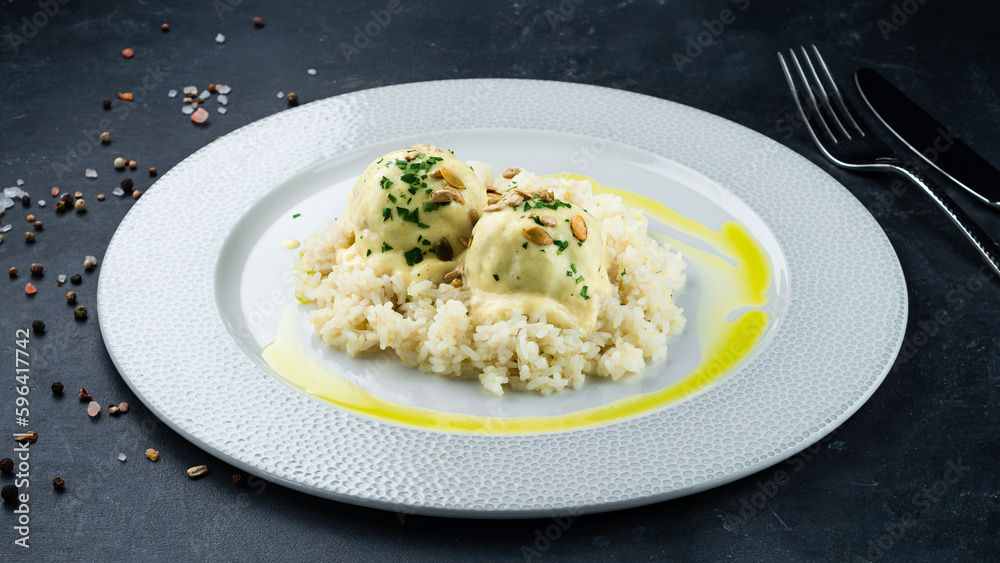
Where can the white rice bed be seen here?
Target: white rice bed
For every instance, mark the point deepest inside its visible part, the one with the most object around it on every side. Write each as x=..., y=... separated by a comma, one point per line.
x=429, y=326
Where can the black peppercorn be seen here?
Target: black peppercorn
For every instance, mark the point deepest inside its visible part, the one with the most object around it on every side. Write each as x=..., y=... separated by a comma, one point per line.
x=38, y=327
x=76, y=279
x=58, y=483
x=9, y=493
x=127, y=184
x=57, y=388
x=68, y=198
x=258, y=22
x=293, y=99
x=26, y=200
x=12, y=272
x=6, y=466
x=80, y=313
x=107, y=103
x=238, y=479
x=36, y=269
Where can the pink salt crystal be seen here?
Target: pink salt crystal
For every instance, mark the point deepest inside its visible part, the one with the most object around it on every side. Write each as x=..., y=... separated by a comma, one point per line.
x=123, y=407
x=94, y=408
x=199, y=116
x=55, y=191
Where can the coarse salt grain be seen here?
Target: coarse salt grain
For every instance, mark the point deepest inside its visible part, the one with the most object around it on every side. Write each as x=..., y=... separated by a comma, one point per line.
x=121, y=457
x=62, y=279
x=41, y=203
x=311, y=72
x=13, y=191
x=223, y=99
x=187, y=110
x=199, y=116
x=90, y=173
x=6, y=202
x=220, y=38
x=222, y=88
x=20, y=182
x=5, y=228
x=90, y=258
x=281, y=95
x=205, y=94
x=222, y=110
x=190, y=89
x=118, y=191
x=172, y=93
x=94, y=409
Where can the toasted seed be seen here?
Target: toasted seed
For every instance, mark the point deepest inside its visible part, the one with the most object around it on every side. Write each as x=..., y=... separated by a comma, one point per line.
x=436, y=174
x=493, y=198
x=197, y=471
x=510, y=172
x=492, y=190
x=473, y=216
x=152, y=454
x=515, y=200
x=461, y=266
x=579, y=228
x=29, y=436
x=547, y=220
x=457, y=282
x=452, y=276
x=442, y=196
x=443, y=250
x=493, y=207
x=538, y=236
x=466, y=242
x=524, y=193
x=547, y=196
x=411, y=155
x=459, y=198
x=452, y=178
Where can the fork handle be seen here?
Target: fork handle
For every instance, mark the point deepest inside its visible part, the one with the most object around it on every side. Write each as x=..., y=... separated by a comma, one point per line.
x=986, y=246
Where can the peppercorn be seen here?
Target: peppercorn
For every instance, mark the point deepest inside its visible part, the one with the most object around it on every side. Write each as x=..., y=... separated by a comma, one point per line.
x=238, y=479
x=88, y=265
x=38, y=225
x=152, y=171
x=128, y=53
x=6, y=466
x=165, y=27
x=293, y=99
x=132, y=164
x=60, y=206
x=67, y=199
x=100, y=197
x=57, y=388
x=76, y=279
x=26, y=200
x=12, y=272
x=37, y=269
x=30, y=436
x=29, y=237
x=120, y=163
x=84, y=395
x=258, y=22
x=136, y=194
x=71, y=297
x=58, y=483
x=80, y=313
x=107, y=103
x=38, y=327
x=127, y=184
x=80, y=205
x=105, y=137
x=78, y=194
x=9, y=493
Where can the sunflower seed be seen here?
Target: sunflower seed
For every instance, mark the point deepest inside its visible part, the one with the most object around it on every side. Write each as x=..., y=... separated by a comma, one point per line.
x=473, y=216
x=493, y=198
x=436, y=174
x=515, y=200
x=547, y=220
x=452, y=276
x=510, y=172
x=442, y=196
x=493, y=207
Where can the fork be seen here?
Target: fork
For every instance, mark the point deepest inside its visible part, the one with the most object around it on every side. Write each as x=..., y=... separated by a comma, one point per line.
x=841, y=139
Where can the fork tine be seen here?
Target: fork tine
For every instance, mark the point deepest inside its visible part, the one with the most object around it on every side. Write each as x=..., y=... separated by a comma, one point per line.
x=809, y=97
x=821, y=94
x=836, y=92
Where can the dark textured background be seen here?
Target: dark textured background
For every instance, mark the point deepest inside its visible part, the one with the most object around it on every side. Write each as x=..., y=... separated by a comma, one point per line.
x=937, y=407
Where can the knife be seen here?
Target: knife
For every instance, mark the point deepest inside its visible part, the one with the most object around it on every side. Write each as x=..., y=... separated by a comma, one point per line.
x=927, y=138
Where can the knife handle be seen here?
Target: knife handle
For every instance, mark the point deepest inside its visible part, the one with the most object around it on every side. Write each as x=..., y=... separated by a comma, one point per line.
x=986, y=246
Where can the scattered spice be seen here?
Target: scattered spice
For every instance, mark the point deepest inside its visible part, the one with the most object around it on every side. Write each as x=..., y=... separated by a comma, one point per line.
x=127, y=184
x=58, y=483
x=26, y=200
x=60, y=206
x=510, y=172
x=54, y=191
x=152, y=171
x=84, y=395
x=165, y=27
x=38, y=225
x=136, y=194
x=123, y=406
x=128, y=53
x=258, y=22
x=127, y=96
x=88, y=265
x=30, y=437
x=38, y=327
x=37, y=269
x=197, y=471
x=76, y=279
x=238, y=479
x=30, y=289
x=67, y=199
x=93, y=409
x=6, y=466
x=30, y=218
x=107, y=103
x=29, y=237
x=120, y=163
x=199, y=116
x=12, y=272
x=112, y=409
x=80, y=313
x=80, y=205
x=293, y=99
x=9, y=493
x=132, y=164
x=57, y=388
x=152, y=454
x=105, y=137
x=100, y=197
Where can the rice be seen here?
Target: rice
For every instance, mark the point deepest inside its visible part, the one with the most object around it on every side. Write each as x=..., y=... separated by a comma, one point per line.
x=430, y=328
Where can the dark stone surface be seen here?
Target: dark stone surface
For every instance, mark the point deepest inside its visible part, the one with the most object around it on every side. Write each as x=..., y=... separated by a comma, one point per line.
x=936, y=409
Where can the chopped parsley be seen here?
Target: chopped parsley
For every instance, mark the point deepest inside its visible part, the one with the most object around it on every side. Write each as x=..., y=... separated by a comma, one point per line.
x=525, y=245
x=623, y=272
x=296, y=216
x=584, y=293
x=369, y=252
x=385, y=183
x=496, y=277
x=386, y=247
x=392, y=198
x=410, y=178
x=386, y=214
x=414, y=256
x=561, y=244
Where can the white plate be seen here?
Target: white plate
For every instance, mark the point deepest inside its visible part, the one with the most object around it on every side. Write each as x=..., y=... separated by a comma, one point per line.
x=194, y=282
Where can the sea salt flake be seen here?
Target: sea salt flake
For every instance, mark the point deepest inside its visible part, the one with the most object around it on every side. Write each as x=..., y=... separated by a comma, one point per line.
x=20, y=182
x=187, y=110
x=172, y=94
x=222, y=89
x=205, y=94
x=190, y=89
x=91, y=258
x=220, y=39
x=223, y=99
x=200, y=116
x=12, y=192
x=311, y=72
x=41, y=203
x=6, y=228
x=121, y=457
x=281, y=95
x=62, y=279
x=90, y=173
x=222, y=110
x=6, y=202
x=118, y=191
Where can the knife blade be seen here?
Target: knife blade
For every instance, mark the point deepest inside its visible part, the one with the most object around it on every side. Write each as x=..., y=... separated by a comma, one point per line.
x=927, y=138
